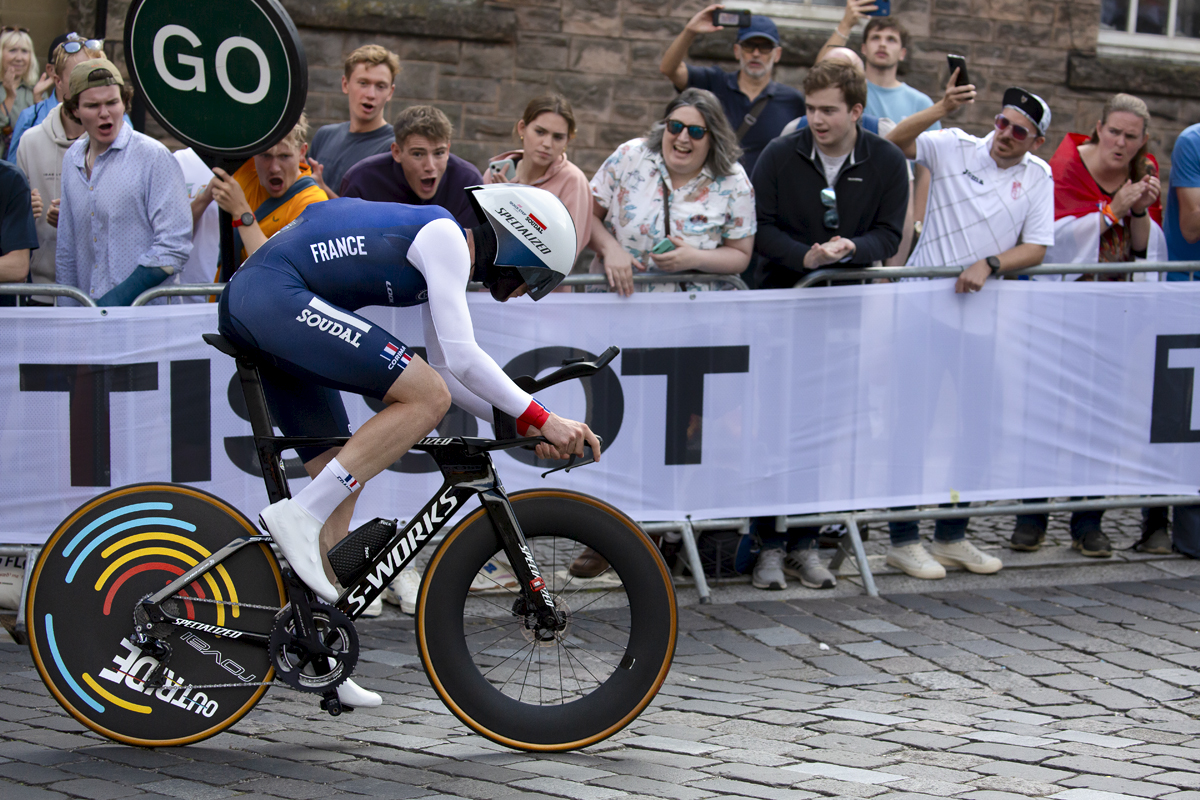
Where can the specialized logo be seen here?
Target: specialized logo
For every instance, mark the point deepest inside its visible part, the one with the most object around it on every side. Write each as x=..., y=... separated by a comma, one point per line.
x=204, y=626
x=396, y=356
x=333, y=321
x=973, y=177
x=538, y=584
x=342, y=247
x=524, y=230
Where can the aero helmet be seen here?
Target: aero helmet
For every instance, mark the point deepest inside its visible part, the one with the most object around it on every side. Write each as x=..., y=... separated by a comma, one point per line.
x=535, y=235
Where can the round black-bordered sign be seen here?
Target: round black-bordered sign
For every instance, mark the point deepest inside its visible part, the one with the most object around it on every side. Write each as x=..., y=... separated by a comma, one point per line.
x=227, y=77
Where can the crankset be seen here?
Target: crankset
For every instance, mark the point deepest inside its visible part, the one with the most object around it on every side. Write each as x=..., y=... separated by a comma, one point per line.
x=314, y=646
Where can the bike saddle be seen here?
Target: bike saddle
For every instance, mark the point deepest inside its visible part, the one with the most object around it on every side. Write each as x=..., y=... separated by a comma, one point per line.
x=221, y=343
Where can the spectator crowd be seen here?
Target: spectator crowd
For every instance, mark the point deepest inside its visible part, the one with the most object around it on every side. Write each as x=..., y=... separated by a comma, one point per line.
x=742, y=176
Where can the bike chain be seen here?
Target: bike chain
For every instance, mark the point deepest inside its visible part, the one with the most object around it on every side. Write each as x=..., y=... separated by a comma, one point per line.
x=239, y=685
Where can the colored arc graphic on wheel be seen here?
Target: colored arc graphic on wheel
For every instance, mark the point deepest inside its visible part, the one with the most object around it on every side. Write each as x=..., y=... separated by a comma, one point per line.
x=138, y=550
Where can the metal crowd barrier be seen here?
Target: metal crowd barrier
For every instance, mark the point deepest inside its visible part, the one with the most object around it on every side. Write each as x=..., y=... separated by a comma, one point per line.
x=30, y=552
x=868, y=273
x=51, y=289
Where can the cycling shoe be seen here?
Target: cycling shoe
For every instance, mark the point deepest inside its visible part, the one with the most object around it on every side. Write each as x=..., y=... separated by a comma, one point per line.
x=352, y=695
x=298, y=533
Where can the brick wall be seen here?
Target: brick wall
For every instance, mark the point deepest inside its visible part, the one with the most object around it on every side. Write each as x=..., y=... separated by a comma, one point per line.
x=480, y=62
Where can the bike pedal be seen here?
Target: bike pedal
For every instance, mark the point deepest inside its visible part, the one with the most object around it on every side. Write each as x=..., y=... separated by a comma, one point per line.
x=331, y=703
x=351, y=557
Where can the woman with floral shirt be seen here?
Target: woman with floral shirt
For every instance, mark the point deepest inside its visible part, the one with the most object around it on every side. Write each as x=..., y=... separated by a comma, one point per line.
x=675, y=201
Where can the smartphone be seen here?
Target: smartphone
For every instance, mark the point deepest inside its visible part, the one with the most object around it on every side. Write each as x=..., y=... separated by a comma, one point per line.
x=883, y=8
x=664, y=246
x=730, y=18
x=506, y=168
x=959, y=63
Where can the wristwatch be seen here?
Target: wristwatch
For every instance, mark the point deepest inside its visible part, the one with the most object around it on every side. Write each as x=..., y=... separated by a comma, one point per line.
x=244, y=219
x=994, y=263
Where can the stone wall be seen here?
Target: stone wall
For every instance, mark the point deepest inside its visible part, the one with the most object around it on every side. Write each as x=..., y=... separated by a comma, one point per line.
x=480, y=61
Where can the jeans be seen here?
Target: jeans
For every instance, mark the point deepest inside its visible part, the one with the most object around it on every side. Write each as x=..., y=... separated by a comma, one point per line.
x=1081, y=521
x=763, y=529
x=944, y=530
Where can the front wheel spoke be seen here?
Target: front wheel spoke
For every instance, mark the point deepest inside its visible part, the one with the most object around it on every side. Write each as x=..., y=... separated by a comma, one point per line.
x=584, y=666
x=617, y=645
x=501, y=663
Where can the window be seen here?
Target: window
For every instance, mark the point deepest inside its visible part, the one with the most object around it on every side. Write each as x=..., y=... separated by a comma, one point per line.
x=1169, y=28
x=825, y=13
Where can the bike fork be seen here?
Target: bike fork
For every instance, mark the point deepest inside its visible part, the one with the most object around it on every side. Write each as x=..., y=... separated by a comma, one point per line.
x=538, y=606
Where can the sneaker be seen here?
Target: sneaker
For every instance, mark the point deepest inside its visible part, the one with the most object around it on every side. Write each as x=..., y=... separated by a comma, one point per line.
x=1157, y=542
x=496, y=574
x=963, y=554
x=403, y=590
x=375, y=609
x=1093, y=544
x=913, y=559
x=1027, y=537
x=768, y=570
x=298, y=534
x=588, y=564
x=805, y=564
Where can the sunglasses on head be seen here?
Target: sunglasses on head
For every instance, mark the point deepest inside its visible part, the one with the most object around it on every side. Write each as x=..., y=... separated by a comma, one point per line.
x=829, y=200
x=675, y=127
x=11, y=29
x=75, y=43
x=1019, y=132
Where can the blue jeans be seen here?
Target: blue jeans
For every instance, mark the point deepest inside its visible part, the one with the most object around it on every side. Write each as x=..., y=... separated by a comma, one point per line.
x=944, y=530
x=1081, y=521
x=763, y=529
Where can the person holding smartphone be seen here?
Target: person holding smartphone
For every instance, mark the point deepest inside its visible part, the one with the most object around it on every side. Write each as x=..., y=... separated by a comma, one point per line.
x=674, y=201
x=545, y=129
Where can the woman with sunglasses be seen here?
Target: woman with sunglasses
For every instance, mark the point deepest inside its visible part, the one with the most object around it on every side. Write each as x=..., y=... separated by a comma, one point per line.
x=674, y=201
x=69, y=46
x=1106, y=192
x=545, y=129
x=18, y=75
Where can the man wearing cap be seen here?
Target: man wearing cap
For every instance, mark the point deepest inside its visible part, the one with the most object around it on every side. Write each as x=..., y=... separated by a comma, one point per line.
x=756, y=106
x=991, y=210
x=124, y=223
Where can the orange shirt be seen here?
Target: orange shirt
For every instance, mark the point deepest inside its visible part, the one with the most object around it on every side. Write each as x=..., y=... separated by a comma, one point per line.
x=256, y=195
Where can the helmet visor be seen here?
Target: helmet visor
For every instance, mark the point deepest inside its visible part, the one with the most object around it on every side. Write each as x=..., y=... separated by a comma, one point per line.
x=541, y=282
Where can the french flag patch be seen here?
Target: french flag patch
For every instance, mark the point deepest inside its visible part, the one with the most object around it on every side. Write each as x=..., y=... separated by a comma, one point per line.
x=389, y=351
x=349, y=483
x=404, y=359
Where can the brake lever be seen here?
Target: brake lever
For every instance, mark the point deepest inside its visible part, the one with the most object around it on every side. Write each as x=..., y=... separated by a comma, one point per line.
x=574, y=462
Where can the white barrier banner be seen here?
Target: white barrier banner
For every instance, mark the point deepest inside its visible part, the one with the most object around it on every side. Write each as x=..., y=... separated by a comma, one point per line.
x=720, y=404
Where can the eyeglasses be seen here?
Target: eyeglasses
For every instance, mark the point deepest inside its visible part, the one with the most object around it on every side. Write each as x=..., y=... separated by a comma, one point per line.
x=829, y=200
x=1019, y=132
x=75, y=43
x=696, y=132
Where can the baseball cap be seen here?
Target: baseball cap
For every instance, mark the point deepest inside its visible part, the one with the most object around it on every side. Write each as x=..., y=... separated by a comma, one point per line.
x=62, y=37
x=760, y=27
x=1030, y=105
x=93, y=73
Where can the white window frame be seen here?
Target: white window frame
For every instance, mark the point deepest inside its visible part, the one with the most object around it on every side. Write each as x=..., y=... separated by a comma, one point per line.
x=797, y=14
x=1149, y=45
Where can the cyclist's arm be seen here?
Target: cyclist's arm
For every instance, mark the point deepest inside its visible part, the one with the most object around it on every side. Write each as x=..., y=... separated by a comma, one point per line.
x=440, y=252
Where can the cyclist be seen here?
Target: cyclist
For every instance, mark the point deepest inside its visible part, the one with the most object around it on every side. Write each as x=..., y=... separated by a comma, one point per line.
x=292, y=304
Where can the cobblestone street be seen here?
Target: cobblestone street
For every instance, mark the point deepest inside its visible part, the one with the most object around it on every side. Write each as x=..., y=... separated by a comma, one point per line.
x=1074, y=680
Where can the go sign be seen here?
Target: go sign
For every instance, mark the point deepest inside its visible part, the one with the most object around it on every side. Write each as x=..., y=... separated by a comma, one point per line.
x=227, y=77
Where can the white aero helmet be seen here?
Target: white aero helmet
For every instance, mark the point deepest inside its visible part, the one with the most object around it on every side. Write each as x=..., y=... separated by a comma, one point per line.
x=535, y=234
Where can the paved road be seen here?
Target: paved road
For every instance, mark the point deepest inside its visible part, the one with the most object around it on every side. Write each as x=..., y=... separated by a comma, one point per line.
x=980, y=689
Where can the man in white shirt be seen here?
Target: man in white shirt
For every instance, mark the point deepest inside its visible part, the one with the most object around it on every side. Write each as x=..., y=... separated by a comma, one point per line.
x=991, y=210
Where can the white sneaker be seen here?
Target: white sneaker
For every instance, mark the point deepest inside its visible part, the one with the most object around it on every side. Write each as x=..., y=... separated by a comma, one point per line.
x=375, y=609
x=403, y=590
x=298, y=534
x=913, y=559
x=966, y=555
x=496, y=574
x=353, y=695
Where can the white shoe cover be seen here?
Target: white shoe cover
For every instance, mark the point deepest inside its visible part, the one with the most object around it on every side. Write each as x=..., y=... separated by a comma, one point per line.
x=353, y=695
x=298, y=535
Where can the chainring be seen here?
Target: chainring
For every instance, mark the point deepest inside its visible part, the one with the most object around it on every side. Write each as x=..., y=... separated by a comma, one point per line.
x=295, y=663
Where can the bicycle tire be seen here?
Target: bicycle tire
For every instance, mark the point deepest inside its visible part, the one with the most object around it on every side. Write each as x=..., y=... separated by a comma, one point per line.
x=597, y=676
x=101, y=560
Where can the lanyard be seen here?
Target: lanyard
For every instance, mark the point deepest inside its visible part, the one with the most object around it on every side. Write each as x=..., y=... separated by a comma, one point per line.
x=666, y=195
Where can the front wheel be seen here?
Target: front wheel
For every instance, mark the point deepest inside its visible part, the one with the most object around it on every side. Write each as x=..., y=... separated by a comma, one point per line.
x=593, y=677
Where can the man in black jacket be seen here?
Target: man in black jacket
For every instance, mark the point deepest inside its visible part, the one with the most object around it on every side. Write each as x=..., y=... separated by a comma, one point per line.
x=831, y=193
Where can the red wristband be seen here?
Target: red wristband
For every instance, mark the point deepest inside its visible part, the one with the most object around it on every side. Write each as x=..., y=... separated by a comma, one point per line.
x=536, y=416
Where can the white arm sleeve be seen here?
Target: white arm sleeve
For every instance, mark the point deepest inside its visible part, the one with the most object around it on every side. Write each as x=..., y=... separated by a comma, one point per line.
x=475, y=381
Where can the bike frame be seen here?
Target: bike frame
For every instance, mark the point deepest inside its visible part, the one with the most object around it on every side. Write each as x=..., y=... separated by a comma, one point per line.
x=467, y=469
